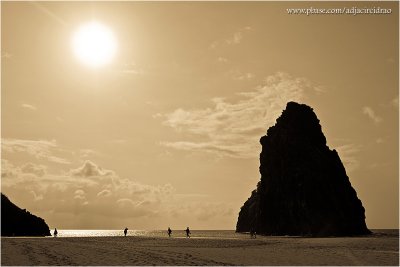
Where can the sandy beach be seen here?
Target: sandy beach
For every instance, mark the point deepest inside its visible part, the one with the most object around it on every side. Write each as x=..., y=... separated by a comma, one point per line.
x=379, y=249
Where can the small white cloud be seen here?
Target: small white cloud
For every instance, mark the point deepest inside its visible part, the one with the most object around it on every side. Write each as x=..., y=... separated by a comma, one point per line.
x=132, y=68
x=80, y=192
x=36, y=197
x=238, y=36
x=28, y=106
x=246, y=76
x=40, y=149
x=349, y=156
x=87, y=153
x=104, y=193
x=380, y=140
x=38, y=170
x=240, y=76
x=58, y=160
x=125, y=202
x=80, y=195
x=371, y=114
x=214, y=45
x=234, y=39
x=133, y=71
x=90, y=169
x=222, y=59
x=8, y=169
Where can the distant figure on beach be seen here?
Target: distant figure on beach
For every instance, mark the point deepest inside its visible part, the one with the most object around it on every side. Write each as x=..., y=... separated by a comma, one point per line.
x=55, y=232
x=187, y=232
x=253, y=233
x=126, y=231
x=169, y=232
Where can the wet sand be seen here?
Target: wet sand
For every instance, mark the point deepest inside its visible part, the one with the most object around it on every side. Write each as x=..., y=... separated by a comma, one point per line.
x=372, y=250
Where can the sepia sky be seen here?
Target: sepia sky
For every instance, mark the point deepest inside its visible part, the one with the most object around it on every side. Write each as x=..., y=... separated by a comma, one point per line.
x=167, y=133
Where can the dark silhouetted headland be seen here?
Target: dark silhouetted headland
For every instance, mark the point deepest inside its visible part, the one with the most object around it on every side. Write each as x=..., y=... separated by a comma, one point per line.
x=304, y=189
x=19, y=222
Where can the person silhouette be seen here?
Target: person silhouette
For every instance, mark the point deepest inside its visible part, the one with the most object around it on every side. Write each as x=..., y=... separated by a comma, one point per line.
x=126, y=231
x=187, y=232
x=55, y=232
x=169, y=232
x=253, y=233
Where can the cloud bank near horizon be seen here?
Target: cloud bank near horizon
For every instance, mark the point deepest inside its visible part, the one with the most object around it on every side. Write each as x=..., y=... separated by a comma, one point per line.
x=91, y=197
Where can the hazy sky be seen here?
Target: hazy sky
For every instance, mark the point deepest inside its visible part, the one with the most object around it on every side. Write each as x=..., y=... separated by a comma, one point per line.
x=167, y=134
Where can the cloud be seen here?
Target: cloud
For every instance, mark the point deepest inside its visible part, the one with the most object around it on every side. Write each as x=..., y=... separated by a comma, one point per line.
x=371, y=114
x=80, y=194
x=88, y=189
x=86, y=153
x=12, y=174
x=8, y=169
x=222, y=59
x=238, y=75
x=132, y=68
x=104, y=193
x=27, y=106
x=234, y=39
x=349, y=156
x=36, y=169
x=234, y=128
x=90, y=169
x=236, y=151
x=132, y=71
x=244, y=76
x=91, y=197
x=40, y=149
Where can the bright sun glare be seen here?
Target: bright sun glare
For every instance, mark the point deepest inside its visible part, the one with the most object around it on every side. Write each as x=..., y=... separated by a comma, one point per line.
x=94, y=44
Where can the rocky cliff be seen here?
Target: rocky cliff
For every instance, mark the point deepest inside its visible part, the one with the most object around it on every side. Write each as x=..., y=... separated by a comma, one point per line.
x=18, y=222
x=304, y=189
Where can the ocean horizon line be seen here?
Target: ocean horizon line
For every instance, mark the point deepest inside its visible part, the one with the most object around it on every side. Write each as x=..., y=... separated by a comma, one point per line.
x=219, y=234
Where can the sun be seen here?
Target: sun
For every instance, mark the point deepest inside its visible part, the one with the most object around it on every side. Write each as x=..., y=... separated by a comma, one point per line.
x=94, y=44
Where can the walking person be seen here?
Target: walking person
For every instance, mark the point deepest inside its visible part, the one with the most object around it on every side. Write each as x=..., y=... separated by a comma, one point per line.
x=55, y=232
x=187, y=232
x=126, y=231
x=169, y=232
x=253, y=233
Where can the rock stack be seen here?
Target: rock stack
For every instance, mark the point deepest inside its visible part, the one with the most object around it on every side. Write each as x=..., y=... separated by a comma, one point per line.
x=304, y=189
x=19, y=222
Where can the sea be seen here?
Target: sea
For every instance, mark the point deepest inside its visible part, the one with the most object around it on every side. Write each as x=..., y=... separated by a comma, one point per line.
x=149, y=233
x=220, y=234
